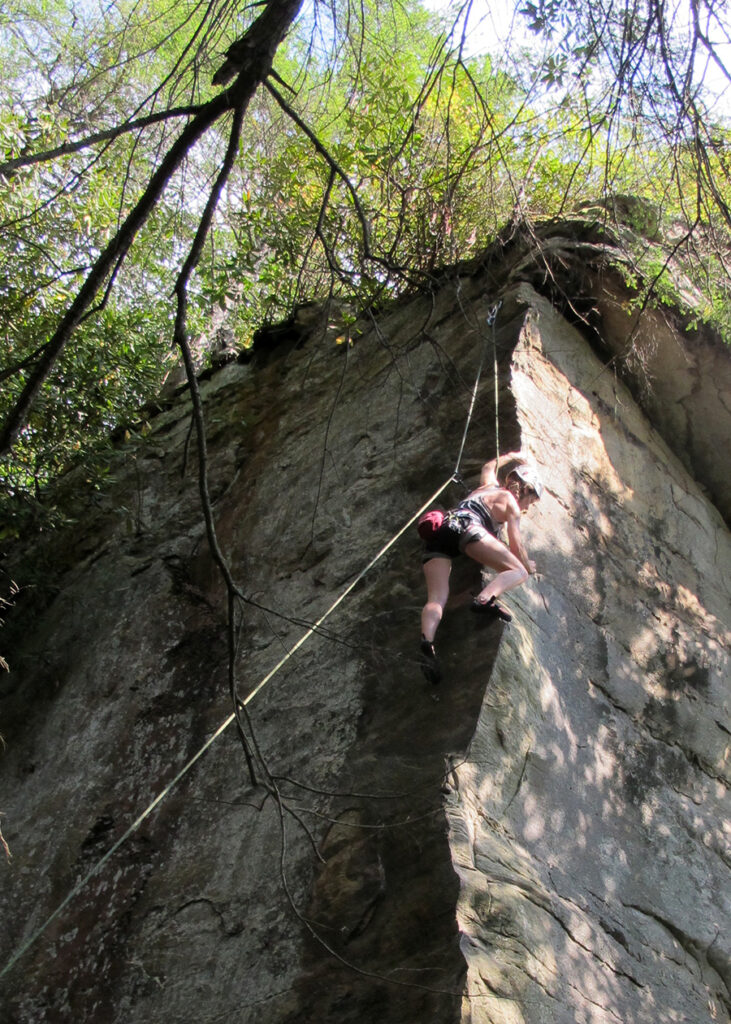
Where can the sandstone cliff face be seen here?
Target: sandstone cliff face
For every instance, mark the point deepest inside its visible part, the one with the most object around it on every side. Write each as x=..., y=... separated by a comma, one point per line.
x=538, y=839
x=588, y=819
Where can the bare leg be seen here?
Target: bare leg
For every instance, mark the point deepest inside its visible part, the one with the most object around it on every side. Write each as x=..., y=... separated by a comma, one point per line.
x=491, y=553
x=436, y=571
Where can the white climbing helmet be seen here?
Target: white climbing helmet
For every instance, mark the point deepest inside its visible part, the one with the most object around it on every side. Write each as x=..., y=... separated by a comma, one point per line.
x=530, y=477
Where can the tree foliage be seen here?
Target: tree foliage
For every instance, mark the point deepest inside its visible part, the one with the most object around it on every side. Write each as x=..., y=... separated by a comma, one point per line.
x=158, y=159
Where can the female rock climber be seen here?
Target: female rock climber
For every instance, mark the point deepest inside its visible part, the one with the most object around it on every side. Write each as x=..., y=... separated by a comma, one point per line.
x=472, y=528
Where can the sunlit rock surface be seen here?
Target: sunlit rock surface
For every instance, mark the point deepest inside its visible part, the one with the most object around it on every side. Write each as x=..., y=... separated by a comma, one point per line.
x=538, y=840
x=590, y=821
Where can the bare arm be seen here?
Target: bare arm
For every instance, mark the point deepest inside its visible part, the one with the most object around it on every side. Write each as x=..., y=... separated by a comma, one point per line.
x=488, y=476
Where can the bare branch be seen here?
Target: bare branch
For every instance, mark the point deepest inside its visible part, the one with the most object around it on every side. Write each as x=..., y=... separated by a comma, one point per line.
x=331, y=162
x=10, y=166
x=22, y=364
x=263, y=36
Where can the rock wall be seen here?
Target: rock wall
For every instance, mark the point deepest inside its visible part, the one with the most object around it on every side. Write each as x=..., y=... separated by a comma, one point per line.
x=681, y=379
x=538, y=839
x=590, y=817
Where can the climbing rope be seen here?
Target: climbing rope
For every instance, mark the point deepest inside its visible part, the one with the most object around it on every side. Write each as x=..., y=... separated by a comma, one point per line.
x=263, y=682
x=209, y=742
x=491, y=318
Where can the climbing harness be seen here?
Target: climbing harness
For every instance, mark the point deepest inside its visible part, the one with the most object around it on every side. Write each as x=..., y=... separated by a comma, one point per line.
x=454, y=477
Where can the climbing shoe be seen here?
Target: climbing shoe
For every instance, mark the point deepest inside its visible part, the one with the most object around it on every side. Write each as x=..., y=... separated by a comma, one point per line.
x=491, y=608
x=428, y=662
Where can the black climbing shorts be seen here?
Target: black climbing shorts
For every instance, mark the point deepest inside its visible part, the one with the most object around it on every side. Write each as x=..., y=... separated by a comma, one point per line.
x=455, y=533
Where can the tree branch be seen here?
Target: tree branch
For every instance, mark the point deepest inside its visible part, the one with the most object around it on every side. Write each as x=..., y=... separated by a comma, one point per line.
x=10, y=371
x=331, y=162
x=263, y=37
x=108, y=134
